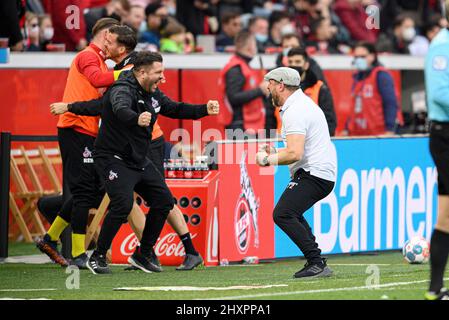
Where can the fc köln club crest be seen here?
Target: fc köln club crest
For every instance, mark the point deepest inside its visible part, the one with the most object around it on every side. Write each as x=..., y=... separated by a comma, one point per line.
x=246, y=212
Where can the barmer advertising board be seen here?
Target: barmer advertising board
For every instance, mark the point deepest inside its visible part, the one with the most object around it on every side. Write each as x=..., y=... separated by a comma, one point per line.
x=385, y=193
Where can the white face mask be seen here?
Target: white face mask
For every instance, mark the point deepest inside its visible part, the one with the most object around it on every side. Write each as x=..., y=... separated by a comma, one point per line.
x=408, y=34
x=33, y=31
x=48, y=33
x=288, y=29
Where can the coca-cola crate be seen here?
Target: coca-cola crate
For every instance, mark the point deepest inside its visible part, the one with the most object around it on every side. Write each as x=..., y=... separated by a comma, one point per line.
x=198, y=201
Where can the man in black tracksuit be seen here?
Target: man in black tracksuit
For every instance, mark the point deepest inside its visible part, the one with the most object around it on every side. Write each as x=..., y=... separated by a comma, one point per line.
x=130, y=109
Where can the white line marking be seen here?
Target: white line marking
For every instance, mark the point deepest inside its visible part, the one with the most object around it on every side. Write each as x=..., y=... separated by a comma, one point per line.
x=26, y=290
x=359, y=264
x=8, y=298
x=260, y=295
x=187, y=288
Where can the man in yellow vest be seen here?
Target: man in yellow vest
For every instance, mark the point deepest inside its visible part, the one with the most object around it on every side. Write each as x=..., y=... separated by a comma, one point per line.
x=317, y=90
x=88, y=78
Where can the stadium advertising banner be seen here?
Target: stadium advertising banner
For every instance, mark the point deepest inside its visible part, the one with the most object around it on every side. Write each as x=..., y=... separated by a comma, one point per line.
x=385, y=193
x=246, y=199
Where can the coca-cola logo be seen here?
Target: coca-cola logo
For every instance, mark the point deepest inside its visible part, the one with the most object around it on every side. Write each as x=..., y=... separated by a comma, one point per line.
x=242, y=225
x=129, y=245
x=167, y=245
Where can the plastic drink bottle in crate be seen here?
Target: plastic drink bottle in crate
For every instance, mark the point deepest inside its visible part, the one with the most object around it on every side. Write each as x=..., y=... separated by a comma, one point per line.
x=171, y=173
x=179, y=169
x=188, y=170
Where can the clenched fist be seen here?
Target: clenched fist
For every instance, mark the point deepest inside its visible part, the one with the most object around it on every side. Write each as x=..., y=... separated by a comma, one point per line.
x=213, y=107
x=144, y=119
x=59, y=108
x=267, y=148
x=262, y=158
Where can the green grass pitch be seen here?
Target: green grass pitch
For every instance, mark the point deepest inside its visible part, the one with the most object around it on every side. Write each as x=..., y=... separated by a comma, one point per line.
x=355, y=277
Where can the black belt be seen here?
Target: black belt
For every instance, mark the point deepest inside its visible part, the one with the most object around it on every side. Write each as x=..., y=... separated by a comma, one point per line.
x=439, y=125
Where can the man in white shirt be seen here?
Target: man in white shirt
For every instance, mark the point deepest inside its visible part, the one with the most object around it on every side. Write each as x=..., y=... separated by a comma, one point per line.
x=311, y=158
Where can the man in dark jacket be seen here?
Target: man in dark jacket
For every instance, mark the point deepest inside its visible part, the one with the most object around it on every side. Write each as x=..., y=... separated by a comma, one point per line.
x=317, y=90
x=129, y=112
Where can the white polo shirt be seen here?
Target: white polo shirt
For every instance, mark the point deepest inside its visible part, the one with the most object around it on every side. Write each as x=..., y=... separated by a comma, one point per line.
x=300, y=115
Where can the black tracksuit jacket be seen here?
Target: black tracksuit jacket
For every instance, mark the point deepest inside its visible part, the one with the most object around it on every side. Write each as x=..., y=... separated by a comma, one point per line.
x=119, y=134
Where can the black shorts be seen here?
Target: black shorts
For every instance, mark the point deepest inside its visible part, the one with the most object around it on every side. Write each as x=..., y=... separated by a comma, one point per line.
x=79, y=172
x=156, y=153
x=439, y=149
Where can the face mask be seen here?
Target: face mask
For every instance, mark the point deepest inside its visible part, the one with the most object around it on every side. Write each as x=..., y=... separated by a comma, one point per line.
x=164, y=22
x=285, y=51
x=261, y=37
x=408, y=34
x=171, y=11
x=288, y=29
x=48, y=33
x=299, y=69
x=34, y=31
x=115, y=16
x=143, y=26
x=360, y=64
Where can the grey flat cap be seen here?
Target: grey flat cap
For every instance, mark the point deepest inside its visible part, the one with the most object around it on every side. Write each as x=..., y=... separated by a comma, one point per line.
x=288, y=76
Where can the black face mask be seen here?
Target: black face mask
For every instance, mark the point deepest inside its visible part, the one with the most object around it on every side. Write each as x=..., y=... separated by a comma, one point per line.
x=164, y=22
x=115, y=16
x=299, y=69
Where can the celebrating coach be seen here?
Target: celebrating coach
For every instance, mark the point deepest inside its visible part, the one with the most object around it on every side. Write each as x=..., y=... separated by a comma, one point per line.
x=311, y=157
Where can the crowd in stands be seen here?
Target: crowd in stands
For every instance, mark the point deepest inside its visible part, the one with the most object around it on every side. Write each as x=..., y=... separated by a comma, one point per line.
x=175, y=26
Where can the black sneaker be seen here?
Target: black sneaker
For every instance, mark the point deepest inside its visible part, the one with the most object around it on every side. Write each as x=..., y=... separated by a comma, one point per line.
x=153, y=258
x=190, y=262
x=314, y=270
x=442, y=295
x=146, y=264
x=97, y=264
x=50, y=248
x=80, y=261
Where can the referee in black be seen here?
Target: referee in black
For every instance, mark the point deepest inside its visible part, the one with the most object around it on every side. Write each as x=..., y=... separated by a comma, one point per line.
x=437, y=94
x=130, y=109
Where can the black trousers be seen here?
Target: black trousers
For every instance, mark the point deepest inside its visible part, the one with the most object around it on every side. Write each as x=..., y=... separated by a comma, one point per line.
x=81, y=183
x=439, y=149
x=120, y=183
x=303, y=191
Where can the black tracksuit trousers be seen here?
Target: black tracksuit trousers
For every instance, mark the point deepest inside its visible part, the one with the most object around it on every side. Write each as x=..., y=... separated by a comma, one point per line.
x=303, y=191
x=120, y=183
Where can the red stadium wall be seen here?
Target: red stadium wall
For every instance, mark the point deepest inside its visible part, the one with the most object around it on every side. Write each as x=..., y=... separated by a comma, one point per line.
x=27, y=93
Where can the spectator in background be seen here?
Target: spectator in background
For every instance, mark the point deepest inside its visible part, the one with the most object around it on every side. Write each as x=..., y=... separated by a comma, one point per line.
x=74, y=37
x=317, y=90
x=135, y=18
x=322, y=38
x=32, y=42
x=290, y=41
x=237, y=6
x=258, y=27
x=10, y=14
x=353, y=16
x=399, y=40
x=279, y=24
x=175, y=39
x=243, y=89
x=156, y=14
x=374, y=109
x=304, y=13
x=420, y=44
x=193, y=14
x=231, y=25
x=46, y=31
x=117, y=9
x=325, y=8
